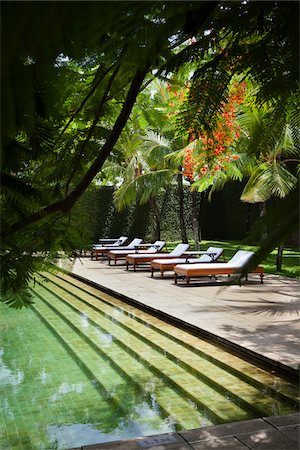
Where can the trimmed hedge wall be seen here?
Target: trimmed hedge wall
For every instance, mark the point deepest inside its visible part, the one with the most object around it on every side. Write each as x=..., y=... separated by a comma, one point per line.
x=224, y=218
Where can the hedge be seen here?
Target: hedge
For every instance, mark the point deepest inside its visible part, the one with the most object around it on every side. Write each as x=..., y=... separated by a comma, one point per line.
x=225, y=217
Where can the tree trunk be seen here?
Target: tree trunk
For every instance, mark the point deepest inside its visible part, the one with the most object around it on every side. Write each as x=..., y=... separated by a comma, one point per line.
x=195, y=221
x=279, y=257
x=183, y=233
x=157, y=214
x=263, y=211
x=66, y=204
x=248, y=218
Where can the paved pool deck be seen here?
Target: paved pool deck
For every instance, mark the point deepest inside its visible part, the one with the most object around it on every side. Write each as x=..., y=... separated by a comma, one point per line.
x=263, y=319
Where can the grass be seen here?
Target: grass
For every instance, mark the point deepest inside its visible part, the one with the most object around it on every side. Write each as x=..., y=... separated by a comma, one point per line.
x=290, y=261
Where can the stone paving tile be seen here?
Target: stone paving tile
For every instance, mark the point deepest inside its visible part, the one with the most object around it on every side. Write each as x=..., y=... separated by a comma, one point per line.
x=228, y=443
x=168, y=441
x=228, y=429
x=268, y=440
x=284, y=421
x=293, y=432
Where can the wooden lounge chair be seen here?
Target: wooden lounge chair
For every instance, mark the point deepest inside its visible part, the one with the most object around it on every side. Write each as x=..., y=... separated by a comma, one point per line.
x=110, y=241
x=233, y=266
x=164, y=265
x=142, y=258
x=105, y=249
x=115, y=255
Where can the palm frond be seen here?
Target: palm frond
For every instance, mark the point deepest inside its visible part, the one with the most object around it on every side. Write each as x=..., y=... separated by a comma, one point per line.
x=286, y=145
x=154, y=140
x=176, y=157
x=142, y=188
x=268, y=180
x=203, y=183
x=18, y=300
x=18, y=189
x=281, y=221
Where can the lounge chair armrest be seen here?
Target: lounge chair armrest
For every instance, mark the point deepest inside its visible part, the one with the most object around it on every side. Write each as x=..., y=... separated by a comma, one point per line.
x=144, y=246
x=194, y=253
x=107, y=241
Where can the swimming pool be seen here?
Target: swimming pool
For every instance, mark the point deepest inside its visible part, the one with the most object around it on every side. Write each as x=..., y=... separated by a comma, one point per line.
x=82, y=367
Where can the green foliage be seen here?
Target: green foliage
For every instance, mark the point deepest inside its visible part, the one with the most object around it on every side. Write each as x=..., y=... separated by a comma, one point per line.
x=142, y=189
x=268, y=180
x=269, y=137
x=280, y=222
x=97, y=215
x=72, y=72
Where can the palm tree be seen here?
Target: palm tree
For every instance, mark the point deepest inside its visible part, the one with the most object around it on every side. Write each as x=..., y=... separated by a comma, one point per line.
x=146, y=177
x=275, y=157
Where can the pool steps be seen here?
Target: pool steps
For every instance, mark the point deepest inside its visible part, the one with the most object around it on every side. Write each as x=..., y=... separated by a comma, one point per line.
x=255, y=376
x=245, y=403
x=169, y=354
x=108, y=389
x=169, y=381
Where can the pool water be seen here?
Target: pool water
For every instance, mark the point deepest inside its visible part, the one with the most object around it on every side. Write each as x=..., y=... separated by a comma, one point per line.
x=81, y=367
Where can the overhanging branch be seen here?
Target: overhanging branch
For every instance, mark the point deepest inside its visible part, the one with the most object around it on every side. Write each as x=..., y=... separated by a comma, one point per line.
x=66, y=204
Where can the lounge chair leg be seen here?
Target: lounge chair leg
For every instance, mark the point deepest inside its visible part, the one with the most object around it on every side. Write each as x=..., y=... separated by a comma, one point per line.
x=261, y=277
x=246, y=277
x=109, y=261
x=115, y=261
x=188, y=279
x=175, y=278
x=134, y=266
x=152, y=272
x=161, y=274
x=127, y=265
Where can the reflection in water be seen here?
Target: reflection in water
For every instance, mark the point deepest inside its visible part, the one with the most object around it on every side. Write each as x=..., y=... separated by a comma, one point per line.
x=66, y=388
x=65, y=436
x=43, y=376
x=104, y=338
x=80, y=370
x=84, y=321
x=8, y=376
x=6, y=409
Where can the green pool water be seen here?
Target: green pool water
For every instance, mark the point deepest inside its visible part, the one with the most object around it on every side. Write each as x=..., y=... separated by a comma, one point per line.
x=82, y=367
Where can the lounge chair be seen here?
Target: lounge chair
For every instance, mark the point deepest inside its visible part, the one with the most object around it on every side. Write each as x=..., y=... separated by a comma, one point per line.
x=115, y=255
x=143, y=258
x=212, y=269
x=104, y=249
x=163, y=265
x=111, y=241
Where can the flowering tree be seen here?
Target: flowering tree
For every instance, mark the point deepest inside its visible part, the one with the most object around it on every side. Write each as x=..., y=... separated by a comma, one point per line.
x=212, y=152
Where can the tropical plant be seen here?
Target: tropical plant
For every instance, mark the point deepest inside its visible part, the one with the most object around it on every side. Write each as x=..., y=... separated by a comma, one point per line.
x=70, y=89
x=274, y=170
x=72, y=72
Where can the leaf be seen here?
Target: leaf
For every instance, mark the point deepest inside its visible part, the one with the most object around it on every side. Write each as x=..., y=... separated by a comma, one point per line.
x=142, y=188
x=281, y=221
x=18, y=300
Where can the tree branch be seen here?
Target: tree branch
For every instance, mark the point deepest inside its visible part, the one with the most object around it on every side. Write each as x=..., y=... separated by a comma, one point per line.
x=92, y=127
x=89, y=94
x=67, y=203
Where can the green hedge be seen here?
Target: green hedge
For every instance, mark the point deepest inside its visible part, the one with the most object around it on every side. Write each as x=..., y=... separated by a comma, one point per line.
x=225, y=217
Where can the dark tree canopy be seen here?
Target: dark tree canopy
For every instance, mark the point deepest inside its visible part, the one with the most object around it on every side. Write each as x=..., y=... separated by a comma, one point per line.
x=71, y=74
